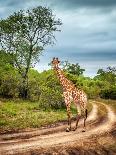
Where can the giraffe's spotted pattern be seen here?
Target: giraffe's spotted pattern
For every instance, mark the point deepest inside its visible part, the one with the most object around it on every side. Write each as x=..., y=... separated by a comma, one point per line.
x=70, y=92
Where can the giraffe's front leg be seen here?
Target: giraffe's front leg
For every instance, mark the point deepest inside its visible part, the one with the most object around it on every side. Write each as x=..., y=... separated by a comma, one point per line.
x=68, y=102
x=69, y=118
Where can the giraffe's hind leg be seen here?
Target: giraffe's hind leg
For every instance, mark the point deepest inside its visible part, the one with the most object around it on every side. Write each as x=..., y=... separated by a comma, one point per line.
x=85, y=117
x=78, y=116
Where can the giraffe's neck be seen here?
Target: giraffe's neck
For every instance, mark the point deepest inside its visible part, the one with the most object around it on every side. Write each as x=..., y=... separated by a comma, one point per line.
x=60, y=74
x=63, y=80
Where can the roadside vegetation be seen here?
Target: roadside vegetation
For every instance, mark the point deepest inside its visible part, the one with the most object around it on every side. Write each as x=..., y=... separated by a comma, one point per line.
x=18, y=115
x=24, y=114
x=109, y=102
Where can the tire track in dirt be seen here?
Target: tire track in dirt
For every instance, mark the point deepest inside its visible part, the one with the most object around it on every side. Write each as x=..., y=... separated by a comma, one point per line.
x=59, y=138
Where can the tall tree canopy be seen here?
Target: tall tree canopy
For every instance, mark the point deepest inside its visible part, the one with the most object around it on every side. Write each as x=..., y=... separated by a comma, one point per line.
x=107, y=75
x=73, y=68
x=25, y=34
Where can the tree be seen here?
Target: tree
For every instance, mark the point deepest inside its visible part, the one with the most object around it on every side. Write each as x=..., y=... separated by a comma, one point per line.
x=73, y=68
x=109, y=75
x=25, y=34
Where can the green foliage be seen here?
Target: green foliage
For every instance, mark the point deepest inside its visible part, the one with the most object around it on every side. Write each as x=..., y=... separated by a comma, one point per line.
x=9, y=86
x=8, y=76
x=24, y=34
x=73, y=68
x=45, y=87
x=51, y=91
x=108, y=93
x=50, y=98
x=6, y=58
x=108, y=77
x=34, y=85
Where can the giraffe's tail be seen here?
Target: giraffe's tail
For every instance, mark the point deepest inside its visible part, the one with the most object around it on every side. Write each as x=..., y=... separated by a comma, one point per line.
x=86, y=113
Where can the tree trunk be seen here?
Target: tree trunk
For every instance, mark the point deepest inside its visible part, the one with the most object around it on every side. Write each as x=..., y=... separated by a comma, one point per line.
x=24, y=87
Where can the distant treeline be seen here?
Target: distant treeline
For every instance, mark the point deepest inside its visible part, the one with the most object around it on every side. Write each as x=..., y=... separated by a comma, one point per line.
x=45, y=88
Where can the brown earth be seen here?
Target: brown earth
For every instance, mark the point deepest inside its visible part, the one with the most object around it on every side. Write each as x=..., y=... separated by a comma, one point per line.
x=99, y=138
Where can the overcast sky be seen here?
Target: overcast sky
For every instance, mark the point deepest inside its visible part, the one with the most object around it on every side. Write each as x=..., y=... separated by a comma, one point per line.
x=88, y=33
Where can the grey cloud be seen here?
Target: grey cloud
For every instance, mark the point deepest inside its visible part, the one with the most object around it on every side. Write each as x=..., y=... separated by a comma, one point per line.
x=12, y=3
x=79, y=3
x=82, y=54
x=64, y=3
x=7, y=7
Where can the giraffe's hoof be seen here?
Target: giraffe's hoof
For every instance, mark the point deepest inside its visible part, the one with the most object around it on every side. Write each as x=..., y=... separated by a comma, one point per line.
x=74, y=129
x=83, y=130
x=67, y=130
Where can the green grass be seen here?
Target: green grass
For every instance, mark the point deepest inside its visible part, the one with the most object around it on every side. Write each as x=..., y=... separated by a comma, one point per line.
x=109, y=102
x=22, y=115
x=16, y=115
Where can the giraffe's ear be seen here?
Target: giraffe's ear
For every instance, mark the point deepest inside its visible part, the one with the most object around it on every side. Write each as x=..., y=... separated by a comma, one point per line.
x=53, y=58
x=57, y=60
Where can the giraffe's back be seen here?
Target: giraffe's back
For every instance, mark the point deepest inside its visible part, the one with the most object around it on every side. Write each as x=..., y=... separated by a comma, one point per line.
x=80, y=97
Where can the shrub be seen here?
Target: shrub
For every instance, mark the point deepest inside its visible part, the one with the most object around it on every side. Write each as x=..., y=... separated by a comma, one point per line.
x=9, y=84
x=34, y=90
x=108, y=93
x=50, y=98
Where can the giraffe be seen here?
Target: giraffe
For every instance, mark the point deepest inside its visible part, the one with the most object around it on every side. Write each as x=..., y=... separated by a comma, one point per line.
x=71, y=93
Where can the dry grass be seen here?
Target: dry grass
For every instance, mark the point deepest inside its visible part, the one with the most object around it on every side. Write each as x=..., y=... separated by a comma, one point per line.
x=109, y=102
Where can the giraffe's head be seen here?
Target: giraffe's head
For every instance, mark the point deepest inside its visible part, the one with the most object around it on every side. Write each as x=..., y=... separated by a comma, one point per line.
x=55, y=62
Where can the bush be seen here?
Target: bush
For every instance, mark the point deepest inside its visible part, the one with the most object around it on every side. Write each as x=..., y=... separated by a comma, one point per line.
x=108, y=93
x=50, y=98
x=34, y=90
x=9, y=83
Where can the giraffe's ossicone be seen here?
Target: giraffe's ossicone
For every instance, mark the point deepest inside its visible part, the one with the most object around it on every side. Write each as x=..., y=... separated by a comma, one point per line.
x=71, y=93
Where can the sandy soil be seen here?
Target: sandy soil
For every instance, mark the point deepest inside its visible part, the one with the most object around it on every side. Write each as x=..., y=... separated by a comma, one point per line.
x=57, y=141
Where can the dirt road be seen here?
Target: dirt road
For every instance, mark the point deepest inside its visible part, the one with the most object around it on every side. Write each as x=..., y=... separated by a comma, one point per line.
x=57, y=141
